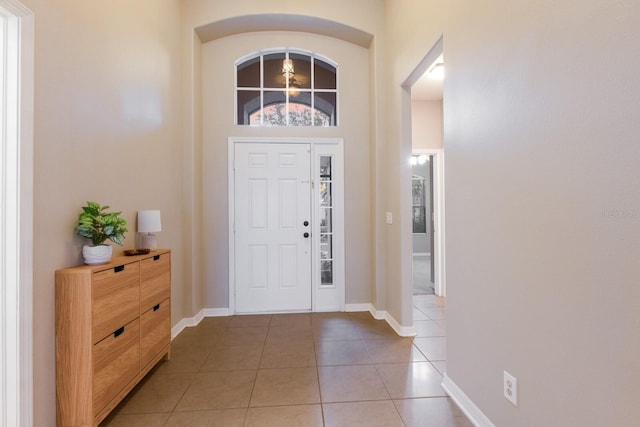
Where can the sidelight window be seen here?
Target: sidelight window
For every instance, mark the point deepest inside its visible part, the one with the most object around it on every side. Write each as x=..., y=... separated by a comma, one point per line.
x=326, y=229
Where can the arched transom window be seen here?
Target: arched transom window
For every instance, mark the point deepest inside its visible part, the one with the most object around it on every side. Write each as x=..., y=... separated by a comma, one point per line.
x=286, y=88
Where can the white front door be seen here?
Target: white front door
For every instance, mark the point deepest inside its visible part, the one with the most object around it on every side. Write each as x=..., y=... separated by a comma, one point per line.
x=272, y=227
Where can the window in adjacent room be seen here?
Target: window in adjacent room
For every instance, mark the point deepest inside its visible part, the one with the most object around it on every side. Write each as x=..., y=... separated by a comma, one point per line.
x=286, y=88
x=419, y=210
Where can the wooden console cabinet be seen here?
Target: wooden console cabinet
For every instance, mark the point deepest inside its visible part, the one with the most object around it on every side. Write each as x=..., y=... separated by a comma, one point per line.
x=113, y=324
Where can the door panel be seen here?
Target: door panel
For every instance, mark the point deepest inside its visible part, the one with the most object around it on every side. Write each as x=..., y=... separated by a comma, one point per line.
x=272, y=202
x=258, y=204
x=258, y=266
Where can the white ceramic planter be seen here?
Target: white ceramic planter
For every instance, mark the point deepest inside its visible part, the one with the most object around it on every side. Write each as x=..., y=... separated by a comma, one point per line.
x=95, y=255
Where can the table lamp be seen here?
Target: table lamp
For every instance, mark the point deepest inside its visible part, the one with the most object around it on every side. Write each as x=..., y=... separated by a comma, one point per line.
x=149, y=222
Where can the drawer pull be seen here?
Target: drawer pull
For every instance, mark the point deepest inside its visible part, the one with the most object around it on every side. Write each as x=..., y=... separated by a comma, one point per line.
x=118, y=269
x=156, y=257
x=156, y=307
x=118, y=332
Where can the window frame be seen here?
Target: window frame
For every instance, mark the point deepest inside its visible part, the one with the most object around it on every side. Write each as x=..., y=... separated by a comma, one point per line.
x=312, y=90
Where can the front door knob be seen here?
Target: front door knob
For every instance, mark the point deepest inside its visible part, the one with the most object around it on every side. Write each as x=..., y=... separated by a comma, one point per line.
x=306, y=235
x=306, y=223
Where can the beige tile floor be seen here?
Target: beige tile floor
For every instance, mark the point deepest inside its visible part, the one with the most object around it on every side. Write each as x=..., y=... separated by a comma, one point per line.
x=320, y=369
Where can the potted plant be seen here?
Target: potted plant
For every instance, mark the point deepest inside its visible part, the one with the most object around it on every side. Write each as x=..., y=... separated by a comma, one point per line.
x=96, y=224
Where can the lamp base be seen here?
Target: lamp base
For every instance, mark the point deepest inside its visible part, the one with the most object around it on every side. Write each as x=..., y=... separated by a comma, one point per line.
x=149, y=241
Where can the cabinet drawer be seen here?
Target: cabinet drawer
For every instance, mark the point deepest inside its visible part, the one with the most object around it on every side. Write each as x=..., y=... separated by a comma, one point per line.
x=116, y=362
x=155, y=331
x=155, y=280
x=115, y=298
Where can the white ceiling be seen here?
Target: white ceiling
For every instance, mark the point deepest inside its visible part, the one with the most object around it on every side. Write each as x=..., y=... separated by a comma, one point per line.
x=427, y=89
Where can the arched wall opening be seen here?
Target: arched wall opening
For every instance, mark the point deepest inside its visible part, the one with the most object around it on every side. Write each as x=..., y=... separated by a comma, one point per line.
x=209, y=60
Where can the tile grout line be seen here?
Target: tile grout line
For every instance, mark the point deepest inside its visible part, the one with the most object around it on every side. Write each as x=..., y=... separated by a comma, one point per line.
x=360, y=325
x=255, y=380
x=324, y=423
x=393, y=402
x=173, y=410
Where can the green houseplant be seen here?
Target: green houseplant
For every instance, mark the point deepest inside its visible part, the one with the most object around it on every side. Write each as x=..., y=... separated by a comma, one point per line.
x=98, y=225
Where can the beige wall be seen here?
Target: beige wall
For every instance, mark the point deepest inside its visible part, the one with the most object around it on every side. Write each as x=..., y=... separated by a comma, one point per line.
x=107, y=123
x=542, y=203
x=412, y=29
x=541, y=244
x=210, y=260
x=426, y=124
x=218, y=59
x=364, y=15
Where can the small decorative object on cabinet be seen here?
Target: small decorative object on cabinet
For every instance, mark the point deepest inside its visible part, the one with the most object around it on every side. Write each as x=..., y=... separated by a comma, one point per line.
x=113, y=324
x=98, y=226
x=149, y=222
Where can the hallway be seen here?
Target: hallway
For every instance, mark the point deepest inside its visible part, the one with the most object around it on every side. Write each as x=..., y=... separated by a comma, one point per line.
x=422, y=284
x=311, y=369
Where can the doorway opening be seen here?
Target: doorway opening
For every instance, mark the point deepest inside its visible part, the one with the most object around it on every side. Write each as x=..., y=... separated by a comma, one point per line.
x=422, y=226
x=427, y=198
x=426, y=238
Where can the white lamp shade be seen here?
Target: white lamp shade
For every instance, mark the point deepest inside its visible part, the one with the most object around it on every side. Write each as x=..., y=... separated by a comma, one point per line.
x=149, y=221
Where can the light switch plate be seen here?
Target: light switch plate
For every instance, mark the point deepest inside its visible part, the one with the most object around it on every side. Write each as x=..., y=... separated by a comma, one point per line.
x=389, y=218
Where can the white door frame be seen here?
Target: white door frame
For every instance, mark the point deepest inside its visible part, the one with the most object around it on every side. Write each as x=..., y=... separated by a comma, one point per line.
x=319, y=146
x=407, y=147
x=16, y=216
x=438, y=217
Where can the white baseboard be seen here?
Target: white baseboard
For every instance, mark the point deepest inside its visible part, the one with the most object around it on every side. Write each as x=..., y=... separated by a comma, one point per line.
x=475, y=415
x=185, y=323
x=179, y=327
x=403, y=331
x=216, y=312
x=358, y=307
x=195, y=320
x=378, y=314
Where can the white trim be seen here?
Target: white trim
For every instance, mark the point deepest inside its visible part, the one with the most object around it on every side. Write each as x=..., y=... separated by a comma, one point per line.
x=433, y=54
x=329, y=298
x=340, y=271
x=270, y=50
x=403, y=331
x=16, y=192
x=231, y=153
x=189, y=322
x=440, y=287
x=284, y=140
x=185, y=323
x=263, y=89
x=216, y=312
x=475, y=415
x=378, y=314
x=352, y=308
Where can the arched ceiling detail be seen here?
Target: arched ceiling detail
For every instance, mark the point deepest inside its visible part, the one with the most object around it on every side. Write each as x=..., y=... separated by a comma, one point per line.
x=282, y=22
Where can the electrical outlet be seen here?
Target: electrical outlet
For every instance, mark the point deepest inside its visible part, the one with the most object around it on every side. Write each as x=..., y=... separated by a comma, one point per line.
x=389, y=218
x=510, y=388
